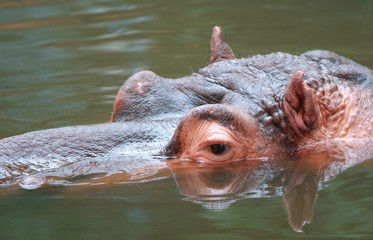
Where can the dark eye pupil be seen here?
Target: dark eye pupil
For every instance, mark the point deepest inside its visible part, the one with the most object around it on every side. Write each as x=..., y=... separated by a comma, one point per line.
x=218, y=149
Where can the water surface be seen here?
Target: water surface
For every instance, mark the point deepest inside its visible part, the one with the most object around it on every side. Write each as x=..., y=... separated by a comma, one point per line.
x=62, y=62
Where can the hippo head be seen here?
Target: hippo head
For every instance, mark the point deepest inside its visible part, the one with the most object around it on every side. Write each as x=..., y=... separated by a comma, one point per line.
x=246, y=127
x=264, y=106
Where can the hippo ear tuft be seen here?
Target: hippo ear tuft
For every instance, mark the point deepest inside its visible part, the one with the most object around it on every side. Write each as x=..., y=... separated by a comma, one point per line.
x=300, y=105
x=219, y=49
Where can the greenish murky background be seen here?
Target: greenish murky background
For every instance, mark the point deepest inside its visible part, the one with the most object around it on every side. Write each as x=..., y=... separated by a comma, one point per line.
x=62, y=63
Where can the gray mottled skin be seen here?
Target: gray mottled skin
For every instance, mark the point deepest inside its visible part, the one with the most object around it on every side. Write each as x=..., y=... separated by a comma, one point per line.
x=254, y=85
x=148, y=107
x=258, y=80
x=52, y=148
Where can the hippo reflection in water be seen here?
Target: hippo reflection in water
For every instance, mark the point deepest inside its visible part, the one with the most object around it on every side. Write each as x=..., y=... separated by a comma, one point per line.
x=226, y=131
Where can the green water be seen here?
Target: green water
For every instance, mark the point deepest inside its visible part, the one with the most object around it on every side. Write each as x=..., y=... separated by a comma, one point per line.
x=62, y=63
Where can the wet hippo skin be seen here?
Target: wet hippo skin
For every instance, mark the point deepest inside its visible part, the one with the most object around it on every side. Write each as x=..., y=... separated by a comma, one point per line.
x=269, y=106
x=273, y=106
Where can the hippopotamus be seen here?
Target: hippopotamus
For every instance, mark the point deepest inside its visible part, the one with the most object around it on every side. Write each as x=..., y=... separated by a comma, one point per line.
x=311, y=110
x=265, y=106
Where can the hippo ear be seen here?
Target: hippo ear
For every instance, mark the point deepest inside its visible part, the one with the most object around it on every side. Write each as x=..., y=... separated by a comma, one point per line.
x=219, y=49
x=300, y=105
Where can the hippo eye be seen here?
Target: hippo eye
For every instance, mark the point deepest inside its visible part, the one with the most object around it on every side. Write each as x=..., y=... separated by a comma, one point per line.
x=219, y=149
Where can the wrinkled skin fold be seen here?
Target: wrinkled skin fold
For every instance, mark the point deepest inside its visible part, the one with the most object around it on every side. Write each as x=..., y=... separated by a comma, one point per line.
x=293, y=121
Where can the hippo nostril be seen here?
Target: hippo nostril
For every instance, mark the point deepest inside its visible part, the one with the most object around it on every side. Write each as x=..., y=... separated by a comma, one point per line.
x=219, y=149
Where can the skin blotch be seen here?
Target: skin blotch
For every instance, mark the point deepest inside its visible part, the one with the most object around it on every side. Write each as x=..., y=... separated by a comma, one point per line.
x=259, y=148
